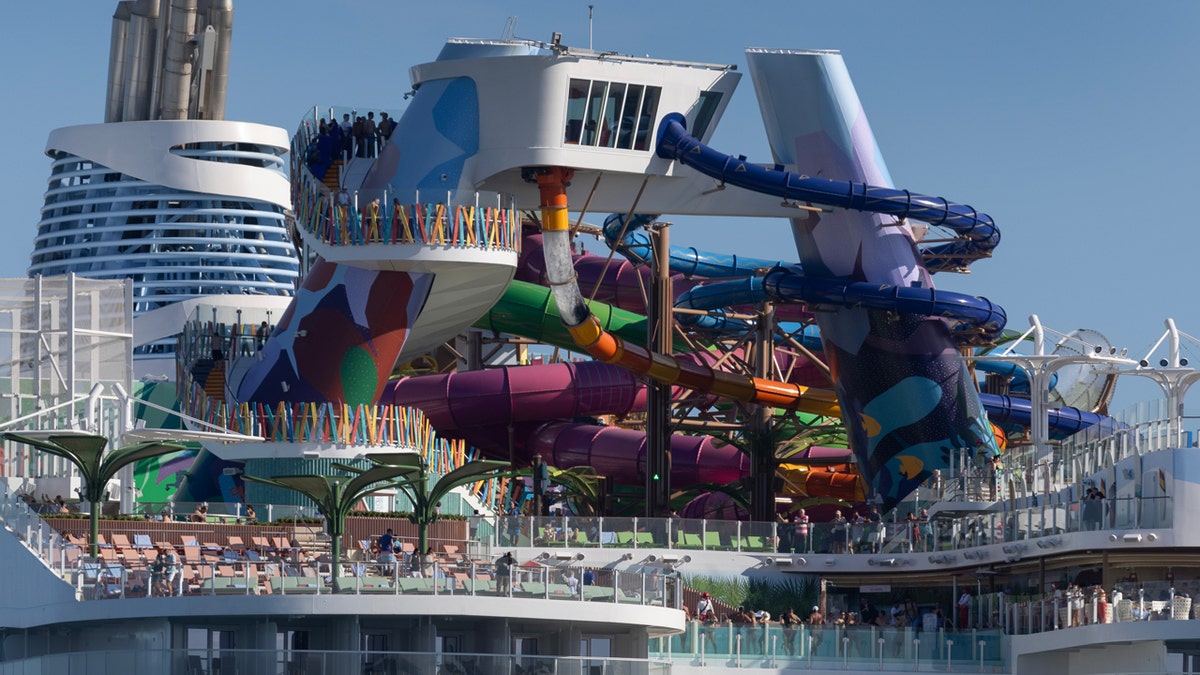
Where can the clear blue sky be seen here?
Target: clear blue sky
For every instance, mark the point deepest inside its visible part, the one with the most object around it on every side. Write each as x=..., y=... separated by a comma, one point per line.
x=1072, y=123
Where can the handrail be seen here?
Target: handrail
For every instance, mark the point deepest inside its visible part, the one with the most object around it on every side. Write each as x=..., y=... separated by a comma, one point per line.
x=355, y=425
x=142, y=660
x=479, y=226
x=288, y=572
x=43, y=411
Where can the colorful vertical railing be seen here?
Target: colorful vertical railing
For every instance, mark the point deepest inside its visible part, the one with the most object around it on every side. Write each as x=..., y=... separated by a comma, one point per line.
x=342, y=424
x=431, y=224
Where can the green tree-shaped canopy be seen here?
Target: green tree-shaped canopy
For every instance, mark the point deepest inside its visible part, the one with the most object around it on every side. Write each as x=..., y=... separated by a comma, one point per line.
x=86, y=451
x=336, y=495
x=416, y=486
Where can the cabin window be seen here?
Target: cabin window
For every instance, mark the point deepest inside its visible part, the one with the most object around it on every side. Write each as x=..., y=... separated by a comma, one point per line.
x=705, y=109
x=610, y=114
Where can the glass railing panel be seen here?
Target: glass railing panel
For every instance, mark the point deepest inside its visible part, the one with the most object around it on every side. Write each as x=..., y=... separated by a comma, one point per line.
x=512, y=531
x=315, y=662
x=619, y=533
x=854, y=648
x=653, y=532
x=688, y=533
x=757, y=537
x=552, y=578
x=583, y=531
x=550, y=531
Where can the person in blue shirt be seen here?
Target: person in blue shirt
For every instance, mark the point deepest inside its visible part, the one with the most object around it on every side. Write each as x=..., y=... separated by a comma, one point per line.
x=387, y=552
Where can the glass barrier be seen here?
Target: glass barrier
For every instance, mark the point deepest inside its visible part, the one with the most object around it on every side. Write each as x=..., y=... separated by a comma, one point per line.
x=1047, y=519
x=1074, y=607
x=320, y=662
x=857, y=648
x=208, y=572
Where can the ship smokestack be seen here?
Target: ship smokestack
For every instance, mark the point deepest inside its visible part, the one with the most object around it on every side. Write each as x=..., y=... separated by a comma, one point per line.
x=177, y=71
x=221, y=18
x=114, y=99
x=138, y=71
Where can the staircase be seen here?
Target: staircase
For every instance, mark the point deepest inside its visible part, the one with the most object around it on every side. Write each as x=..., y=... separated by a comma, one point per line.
x=214, y=381
x=332, y=176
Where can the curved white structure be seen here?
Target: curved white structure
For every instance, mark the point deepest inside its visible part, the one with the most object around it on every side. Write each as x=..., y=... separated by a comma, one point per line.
x=186, y=208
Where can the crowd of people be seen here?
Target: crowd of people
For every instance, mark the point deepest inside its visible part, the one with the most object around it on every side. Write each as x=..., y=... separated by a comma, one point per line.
x=354, y=136
x=752, y=626
x=853, y=533
x=47, y=505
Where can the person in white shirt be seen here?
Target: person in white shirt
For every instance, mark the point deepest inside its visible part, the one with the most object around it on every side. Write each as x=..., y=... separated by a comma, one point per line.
x=571, y=581
x=347, y=127
x=705, y=605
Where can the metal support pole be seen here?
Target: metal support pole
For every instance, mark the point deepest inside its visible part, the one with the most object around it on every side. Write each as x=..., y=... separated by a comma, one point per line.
x=659, y=328
x=762, y=445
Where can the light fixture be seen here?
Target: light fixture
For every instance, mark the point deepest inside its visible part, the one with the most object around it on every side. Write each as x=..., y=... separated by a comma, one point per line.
x=943, y=558
x=626, y=556
x=882, y=562
x=830, y=561
x=667, y=559
x=1132, y=538
x=1152, y=537
x=542, y=556
x=1014, y=549
x=567, y=555
x=1050, y=543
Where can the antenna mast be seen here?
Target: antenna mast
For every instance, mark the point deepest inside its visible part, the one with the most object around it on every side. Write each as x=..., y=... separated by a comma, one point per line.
x=590, y=7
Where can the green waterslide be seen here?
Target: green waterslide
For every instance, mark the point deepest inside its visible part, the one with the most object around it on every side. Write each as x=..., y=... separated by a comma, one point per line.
x=528, y=310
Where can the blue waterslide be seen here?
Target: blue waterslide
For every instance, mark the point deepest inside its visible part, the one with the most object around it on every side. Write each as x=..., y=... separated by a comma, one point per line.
x=976, y=320
x=979, y=233
x=634, y=243
x=1065, y=421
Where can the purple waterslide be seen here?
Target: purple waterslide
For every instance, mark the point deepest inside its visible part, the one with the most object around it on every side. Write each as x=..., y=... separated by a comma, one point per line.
x=483, y=406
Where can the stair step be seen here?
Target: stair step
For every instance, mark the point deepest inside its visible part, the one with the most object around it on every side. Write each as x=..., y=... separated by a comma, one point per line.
x=333, y=175
x=214, y=381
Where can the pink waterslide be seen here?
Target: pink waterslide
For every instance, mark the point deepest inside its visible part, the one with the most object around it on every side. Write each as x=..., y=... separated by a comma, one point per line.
x=482, y=406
